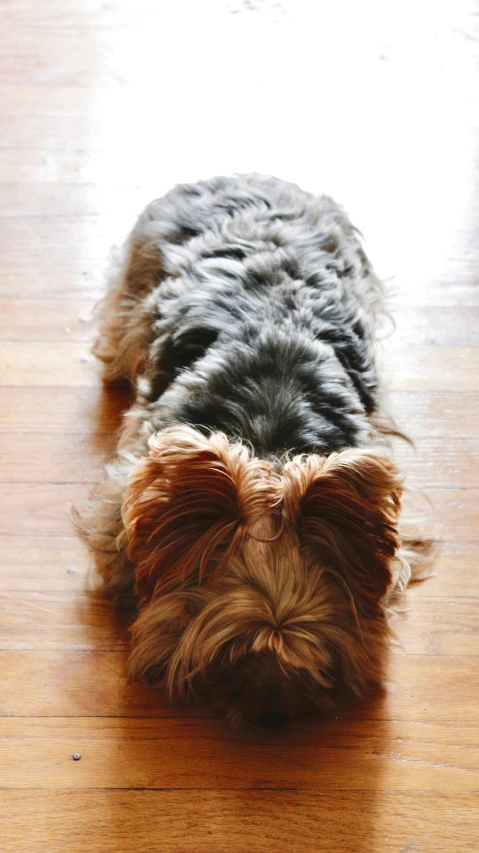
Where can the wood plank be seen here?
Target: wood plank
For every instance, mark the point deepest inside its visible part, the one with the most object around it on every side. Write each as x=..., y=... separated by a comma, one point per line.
x=77, y=457
x=77, y=684
x=438, y=625
x=453, y=369
x=428, y=414
x=39, y=508
x=30, y=318
x=61, y=683
x=68, y=620
x=89, y=410
x=455, y=513
x=27, y=240
x=414, y=692
x=51, y=620
x=40, y=458
x=46, y=320
x=431, y=368
x=455, y=284
x=434, y=414
x=38, y=363
x=146, y=753
x=54, y=276
x=42, y=508
x=75, y=244
x=432, y=463
x=431, y=325
x=251, y=821
x=43, y=564
x=58, y=564
x=455, y=570
x=27, y=319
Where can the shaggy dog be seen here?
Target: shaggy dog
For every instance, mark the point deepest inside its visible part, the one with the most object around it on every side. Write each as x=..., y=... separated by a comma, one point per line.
x=250, y=522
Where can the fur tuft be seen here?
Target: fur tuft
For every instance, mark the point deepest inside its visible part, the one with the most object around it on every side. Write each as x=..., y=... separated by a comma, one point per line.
x=188, y=504
x=347, y=508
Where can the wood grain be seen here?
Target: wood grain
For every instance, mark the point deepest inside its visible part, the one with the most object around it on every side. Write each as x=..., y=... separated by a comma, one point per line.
x=56, y=277
x=347, y=755
x=45, y=320
x=38, y=363
x=455, y=570
x=35, y=508
x=39, y=508
x=68, y=458
x=78, y=457
x=65, y=619
x=449, y=369
x=105, y=106
x=262, y=820
x=201, y=821
x=438, y=625
x=42, y=563
x=64, y=410
x=433, y=414
x=59, y=409
x=59, y=563
x=78, y=683
x=444, y=369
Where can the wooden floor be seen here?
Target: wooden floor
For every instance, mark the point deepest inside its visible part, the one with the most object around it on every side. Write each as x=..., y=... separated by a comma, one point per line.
x=103, y=106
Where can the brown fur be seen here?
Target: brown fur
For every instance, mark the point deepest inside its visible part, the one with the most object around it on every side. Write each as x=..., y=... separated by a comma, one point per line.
x=244, y=567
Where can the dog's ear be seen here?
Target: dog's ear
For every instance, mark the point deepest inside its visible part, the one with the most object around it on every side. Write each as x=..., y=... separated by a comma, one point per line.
x=346, y=507
x=186, y=506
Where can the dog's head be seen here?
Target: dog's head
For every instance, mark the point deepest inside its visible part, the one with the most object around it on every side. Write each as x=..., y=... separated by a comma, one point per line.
x=261, y=582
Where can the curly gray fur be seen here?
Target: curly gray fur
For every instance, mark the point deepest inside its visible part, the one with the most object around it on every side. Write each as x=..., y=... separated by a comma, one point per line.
x=247, y=305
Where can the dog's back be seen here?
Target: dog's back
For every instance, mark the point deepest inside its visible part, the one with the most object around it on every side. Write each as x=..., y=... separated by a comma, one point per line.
x=247, y=305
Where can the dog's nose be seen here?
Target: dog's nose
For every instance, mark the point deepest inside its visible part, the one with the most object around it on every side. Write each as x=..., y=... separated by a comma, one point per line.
x=273, y=719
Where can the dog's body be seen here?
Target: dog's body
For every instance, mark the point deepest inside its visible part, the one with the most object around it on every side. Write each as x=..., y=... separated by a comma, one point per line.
x=251, y=517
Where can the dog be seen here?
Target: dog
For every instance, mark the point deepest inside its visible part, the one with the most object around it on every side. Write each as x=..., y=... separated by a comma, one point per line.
x=250, y=524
